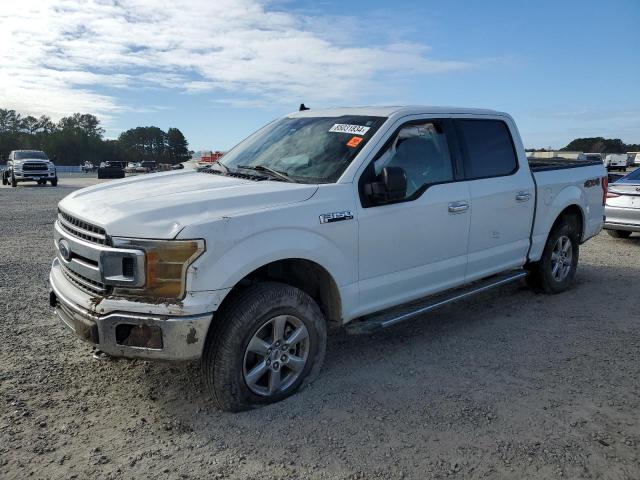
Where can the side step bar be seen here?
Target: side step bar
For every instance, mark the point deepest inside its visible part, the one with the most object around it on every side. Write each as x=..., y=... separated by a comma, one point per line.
x=398, y=314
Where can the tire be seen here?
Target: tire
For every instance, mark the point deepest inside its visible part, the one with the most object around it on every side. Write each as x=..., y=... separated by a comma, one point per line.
x=544, y=276
x=4, y=179
x=54, y=182
x=240, y=379
x=42, y=182
x=14, y=183
x=619, y=233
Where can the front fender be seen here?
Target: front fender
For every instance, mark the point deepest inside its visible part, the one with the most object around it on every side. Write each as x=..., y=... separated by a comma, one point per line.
x=269, y=246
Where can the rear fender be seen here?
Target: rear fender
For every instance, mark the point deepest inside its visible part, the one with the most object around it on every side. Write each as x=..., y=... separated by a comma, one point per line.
x=549, y=208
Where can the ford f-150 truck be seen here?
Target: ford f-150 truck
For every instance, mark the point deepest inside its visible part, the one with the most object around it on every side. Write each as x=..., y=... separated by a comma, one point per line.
x=29, y=166
x=362, y=217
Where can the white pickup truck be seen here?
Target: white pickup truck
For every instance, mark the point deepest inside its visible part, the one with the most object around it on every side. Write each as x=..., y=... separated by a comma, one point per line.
x=360, y=216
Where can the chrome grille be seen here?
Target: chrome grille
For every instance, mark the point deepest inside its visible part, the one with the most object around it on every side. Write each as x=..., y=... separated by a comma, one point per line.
x=34, y=166
x=81, y=229
x=83, y=283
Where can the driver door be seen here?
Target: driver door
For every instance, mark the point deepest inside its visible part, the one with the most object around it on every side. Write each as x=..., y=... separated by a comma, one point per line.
x=417, y=245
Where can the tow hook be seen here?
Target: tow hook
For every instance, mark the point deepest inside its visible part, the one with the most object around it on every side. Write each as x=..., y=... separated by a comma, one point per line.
x=53, y=300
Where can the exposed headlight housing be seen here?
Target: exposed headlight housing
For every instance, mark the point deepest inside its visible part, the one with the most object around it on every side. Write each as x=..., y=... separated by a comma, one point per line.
x=166, y=263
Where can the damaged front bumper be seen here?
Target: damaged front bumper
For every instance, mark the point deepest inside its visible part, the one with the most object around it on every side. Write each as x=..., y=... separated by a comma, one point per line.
x=133, y=335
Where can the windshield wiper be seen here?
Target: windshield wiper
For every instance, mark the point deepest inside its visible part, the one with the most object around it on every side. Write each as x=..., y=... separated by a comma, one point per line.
x=218, y=164
x=275, y=173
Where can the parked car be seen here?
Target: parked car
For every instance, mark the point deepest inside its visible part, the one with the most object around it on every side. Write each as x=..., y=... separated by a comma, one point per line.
x=616, y=161
x=29, y=166
x=111, y=169
x=360, y=216
x=622, y=209
x=592, y=156
x=87, y=167
x=133, y=167
x=148, y=167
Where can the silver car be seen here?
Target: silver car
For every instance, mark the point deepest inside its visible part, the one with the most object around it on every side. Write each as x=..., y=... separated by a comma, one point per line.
x=622, y=209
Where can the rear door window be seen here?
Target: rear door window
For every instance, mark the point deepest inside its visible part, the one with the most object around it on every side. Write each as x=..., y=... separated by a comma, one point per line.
x=488, y=147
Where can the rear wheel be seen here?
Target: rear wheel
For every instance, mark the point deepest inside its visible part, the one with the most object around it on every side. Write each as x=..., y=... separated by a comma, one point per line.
x=557, y=268
x=619, y=233
x=266, y=344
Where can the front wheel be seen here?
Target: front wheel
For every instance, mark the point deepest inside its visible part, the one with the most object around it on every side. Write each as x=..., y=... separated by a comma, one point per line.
x=557, y=268
x=14, y=182
x=54, y=182
x=619, y=233
x=264, y=345
x=4, y=179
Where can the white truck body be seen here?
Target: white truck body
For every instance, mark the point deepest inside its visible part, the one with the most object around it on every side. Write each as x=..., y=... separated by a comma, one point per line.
x=615, y=161
x=370, y=257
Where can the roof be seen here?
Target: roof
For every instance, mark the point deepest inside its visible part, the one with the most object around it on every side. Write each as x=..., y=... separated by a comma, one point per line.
x=387, y=111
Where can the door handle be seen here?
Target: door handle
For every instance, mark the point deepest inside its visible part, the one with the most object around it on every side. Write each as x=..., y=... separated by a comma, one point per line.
x=458, y=207
x=523, y=196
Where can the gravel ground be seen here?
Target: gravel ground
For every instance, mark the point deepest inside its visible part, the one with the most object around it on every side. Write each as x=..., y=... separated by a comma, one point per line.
x=508, y=385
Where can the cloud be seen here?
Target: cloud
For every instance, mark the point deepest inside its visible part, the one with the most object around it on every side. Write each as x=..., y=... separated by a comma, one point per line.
x=59, y=57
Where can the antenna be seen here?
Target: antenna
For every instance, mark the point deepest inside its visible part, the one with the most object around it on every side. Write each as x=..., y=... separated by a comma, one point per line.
x=303, y=108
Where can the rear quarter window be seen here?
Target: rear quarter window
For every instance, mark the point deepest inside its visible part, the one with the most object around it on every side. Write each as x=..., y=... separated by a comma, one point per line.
x=488, y=147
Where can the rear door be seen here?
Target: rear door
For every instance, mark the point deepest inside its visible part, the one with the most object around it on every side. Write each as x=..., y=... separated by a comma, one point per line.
x=502, y=194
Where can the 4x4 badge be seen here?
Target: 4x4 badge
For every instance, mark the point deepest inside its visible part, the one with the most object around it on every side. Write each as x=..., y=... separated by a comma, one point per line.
x=336, y=216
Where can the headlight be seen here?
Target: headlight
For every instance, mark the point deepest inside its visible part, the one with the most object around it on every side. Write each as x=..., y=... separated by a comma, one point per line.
x=166, y=264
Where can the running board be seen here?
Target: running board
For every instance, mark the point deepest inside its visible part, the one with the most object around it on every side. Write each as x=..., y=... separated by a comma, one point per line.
x=407, y=311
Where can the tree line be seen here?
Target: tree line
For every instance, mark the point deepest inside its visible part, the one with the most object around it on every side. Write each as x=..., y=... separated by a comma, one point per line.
x=79, y=138
x=596, y=145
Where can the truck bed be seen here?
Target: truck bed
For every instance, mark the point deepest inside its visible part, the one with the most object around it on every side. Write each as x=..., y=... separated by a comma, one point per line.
x=558, y=163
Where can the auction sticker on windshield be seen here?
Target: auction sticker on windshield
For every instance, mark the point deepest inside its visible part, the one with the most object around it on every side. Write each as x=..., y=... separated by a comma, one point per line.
x=346, y=128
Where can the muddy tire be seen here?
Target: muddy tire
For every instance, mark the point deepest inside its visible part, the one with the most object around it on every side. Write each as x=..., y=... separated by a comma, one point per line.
x=557, y=268
x=619, y=233
x=264, y=345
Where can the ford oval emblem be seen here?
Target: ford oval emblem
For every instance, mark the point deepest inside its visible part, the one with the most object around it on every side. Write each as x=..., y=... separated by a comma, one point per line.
x=65, y=253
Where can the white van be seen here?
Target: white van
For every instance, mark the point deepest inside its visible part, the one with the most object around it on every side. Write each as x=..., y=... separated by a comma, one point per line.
x=616, y=161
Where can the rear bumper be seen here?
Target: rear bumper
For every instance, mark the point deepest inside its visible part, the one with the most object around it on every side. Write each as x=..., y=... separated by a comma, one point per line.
x=133, y=335
x=622, y=218
x=629, y=227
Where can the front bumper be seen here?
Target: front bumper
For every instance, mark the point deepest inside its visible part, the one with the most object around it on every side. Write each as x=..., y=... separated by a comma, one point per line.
x=29, y=176
x=132, y=335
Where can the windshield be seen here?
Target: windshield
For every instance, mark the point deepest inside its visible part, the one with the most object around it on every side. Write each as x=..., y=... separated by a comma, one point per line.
x=31, y=154
x=308, y=150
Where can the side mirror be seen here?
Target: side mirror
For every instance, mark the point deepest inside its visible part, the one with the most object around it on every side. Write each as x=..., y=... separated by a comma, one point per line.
x=391, y=185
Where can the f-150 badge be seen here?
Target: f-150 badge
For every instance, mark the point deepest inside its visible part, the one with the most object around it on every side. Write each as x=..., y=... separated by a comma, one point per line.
x=336, y=216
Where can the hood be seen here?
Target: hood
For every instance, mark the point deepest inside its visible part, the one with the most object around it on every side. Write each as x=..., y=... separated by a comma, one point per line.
x=160, y=205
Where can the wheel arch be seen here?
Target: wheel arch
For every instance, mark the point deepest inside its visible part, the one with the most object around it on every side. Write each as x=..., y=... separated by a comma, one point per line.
x=307, y=275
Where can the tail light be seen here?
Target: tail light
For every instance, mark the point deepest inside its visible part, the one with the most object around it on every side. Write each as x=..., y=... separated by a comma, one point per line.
x=605, y=189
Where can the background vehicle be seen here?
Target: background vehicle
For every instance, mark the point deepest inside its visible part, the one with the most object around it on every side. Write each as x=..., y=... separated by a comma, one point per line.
x=148, y=167
x=634, y=158
x=616, y=161
x=366, y=216
x=593, y=156
x=29, y=166
x=132, y=167
x=622, y=209
x=112, y=170
x=87, y=167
